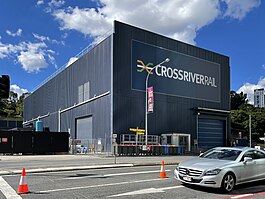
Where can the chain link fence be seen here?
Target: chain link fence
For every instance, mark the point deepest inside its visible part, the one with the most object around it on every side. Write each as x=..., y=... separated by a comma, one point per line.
x=87, y=146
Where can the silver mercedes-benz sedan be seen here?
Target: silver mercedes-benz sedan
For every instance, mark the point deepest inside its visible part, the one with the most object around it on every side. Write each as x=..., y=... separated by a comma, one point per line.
x=223, y=167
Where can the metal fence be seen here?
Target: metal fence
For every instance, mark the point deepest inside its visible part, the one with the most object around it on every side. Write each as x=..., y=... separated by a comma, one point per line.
x=139, y=139
x=87, y=146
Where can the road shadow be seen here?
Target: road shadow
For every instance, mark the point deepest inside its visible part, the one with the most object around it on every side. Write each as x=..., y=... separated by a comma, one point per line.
x=92, y=175
x=252, y=187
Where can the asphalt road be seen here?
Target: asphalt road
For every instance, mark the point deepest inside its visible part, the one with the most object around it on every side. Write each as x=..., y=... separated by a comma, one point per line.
x=45, y=161
x=131, y=182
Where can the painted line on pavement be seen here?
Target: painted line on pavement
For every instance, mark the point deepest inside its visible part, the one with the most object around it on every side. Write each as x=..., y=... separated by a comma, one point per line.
x=251, y=195
x=7, y=190
x=242, y=196
x=146, y=191
x=75, y=170
x=112, y=174
x=103, y=185
x=66, y=168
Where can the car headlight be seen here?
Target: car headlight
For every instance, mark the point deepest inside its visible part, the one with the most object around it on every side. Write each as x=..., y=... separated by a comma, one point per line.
x=212, y=172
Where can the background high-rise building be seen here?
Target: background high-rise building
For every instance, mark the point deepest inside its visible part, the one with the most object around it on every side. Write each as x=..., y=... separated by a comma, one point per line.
x=259, y=98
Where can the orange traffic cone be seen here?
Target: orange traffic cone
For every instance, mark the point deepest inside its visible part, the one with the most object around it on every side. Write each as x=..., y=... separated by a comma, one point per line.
x=23, y=186
x=162, y=171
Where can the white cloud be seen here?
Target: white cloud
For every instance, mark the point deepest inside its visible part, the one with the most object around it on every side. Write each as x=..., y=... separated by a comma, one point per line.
x=71, y=60
x=7, y=49
x=40, y=37
x=249, y=89
x=4, y=50
x=238, y=9
x=32, y=56
x=56, y=3
x=52, y=60
x=86, y=21
x=45, y=38
x=40, y=2
x=18, y=33
x=178, y=19
x=18, y=90
x=263, y=66
x=32, y=60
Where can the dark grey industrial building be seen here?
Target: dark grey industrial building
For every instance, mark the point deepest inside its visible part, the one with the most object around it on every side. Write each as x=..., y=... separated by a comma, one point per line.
x=103, y=92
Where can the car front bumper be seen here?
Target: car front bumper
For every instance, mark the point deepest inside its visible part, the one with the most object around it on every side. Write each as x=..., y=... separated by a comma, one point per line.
x=214, y=181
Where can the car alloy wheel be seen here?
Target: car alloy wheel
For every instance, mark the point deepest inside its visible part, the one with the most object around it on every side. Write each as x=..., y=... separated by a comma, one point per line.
x=228, y=182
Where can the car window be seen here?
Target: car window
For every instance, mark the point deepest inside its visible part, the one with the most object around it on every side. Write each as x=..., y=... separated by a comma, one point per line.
x=254, y=154
x=259, y=155
x=222, y=154
x=249, y=154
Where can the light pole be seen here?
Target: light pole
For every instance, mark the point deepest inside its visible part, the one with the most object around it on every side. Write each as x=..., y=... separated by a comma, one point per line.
x=146, y=100
x=249, y=130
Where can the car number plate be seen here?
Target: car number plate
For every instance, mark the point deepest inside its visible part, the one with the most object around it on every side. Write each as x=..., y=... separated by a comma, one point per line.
x=187, y=178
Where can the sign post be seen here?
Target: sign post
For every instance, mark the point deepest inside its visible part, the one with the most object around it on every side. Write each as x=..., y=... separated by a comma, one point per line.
x=114, y=143
x=138, y=132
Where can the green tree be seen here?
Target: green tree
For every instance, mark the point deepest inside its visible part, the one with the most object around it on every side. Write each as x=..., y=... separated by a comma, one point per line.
x=13, y=106
x=240, y=121
x=20, y=105
x=3, y=108
x=258, y=122
x=237, y=99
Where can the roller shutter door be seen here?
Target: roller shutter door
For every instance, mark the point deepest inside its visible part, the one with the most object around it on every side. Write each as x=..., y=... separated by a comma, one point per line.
x=84, y=128
x=210, y=133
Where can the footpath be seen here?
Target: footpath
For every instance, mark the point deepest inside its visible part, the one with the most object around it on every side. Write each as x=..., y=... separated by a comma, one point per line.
x=13, y=164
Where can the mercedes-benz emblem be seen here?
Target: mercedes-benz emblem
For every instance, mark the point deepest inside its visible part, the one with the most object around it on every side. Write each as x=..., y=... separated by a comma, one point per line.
x=187, y=171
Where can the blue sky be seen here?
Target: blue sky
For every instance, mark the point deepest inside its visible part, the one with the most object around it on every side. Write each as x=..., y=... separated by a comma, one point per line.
x=37, y=37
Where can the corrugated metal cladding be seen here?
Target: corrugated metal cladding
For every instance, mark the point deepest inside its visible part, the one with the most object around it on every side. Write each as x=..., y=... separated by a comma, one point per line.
x=61, y=92
x=171, y=113
x=108, y=67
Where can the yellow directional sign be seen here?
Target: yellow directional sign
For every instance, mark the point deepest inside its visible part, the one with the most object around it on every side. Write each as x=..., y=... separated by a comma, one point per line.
x=139, y=131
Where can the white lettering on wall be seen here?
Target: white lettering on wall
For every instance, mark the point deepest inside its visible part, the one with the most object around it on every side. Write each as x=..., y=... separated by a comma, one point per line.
x=182, y=75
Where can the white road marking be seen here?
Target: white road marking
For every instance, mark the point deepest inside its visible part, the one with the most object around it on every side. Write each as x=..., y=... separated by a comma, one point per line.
x=112, y=174
x=7, y=190
x=74, y=171
x=103, y=185
x=146, y=191
x=242, y=196
x=67, y=168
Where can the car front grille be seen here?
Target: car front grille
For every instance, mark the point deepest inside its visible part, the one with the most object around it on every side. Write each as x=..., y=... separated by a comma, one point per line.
x=189, y=172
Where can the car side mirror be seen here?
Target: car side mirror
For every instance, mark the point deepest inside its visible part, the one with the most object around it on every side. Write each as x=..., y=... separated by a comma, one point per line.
x=247, y=159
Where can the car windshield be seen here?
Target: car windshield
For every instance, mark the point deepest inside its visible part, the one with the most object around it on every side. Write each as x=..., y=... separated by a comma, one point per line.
x=221, y=154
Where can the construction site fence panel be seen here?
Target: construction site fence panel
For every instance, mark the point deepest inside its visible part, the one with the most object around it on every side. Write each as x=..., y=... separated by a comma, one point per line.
x=29, y=142
x=88, y=146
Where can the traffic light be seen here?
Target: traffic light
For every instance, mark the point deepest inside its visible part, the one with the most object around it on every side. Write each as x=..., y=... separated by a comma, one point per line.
x=4, y=86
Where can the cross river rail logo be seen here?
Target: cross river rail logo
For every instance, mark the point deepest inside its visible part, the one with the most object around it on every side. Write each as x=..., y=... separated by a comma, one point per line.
x=177, y=74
